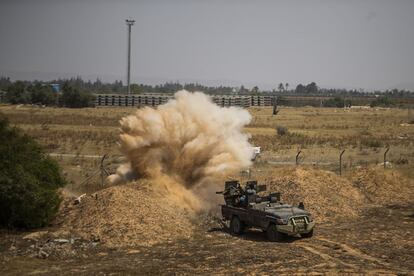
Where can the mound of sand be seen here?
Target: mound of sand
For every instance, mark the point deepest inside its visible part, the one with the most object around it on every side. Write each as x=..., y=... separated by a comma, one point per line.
x=135, y=214
x=126, y=215
x=324, y=194
x=327, y=195
x=381, y=186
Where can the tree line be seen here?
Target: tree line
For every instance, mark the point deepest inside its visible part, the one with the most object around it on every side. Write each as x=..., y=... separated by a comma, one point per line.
x=76, y=92
x=24, y=92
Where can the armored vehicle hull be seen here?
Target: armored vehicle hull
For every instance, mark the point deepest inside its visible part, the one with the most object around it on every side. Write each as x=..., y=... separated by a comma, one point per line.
x=245, y=208
x=284, y=219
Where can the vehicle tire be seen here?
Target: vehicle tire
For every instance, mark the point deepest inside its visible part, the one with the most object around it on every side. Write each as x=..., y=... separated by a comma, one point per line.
x=307, y=235
x=273, y=235
x=236, y=226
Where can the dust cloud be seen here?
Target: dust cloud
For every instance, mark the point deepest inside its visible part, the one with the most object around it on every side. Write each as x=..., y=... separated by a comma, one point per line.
x=186, y=147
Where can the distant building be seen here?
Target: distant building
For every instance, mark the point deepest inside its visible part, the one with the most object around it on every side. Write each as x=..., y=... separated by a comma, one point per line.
x=55, y=87
x=154, y=99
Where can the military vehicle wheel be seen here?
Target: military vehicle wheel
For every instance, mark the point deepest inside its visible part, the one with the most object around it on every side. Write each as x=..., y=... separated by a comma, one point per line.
x=273, y=235
x=236, y=226
x=307, y=235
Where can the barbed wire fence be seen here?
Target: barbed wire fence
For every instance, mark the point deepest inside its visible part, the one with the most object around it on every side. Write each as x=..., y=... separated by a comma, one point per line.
x=345, y=160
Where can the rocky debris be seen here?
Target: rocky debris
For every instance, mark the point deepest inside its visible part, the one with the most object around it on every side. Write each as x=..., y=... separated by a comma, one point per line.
x=388, y=165
x=35, y=236
x=45, y=244
x=62, y=241
x=79, y=199
x=58, y=249
x=42, y=254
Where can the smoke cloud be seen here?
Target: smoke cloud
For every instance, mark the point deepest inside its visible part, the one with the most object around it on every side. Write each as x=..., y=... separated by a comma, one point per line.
x=186, y=146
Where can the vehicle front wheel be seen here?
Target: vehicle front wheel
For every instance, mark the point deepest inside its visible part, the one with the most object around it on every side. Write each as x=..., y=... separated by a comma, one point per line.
x=236, y=226
x=273, y=235
x=307, y=235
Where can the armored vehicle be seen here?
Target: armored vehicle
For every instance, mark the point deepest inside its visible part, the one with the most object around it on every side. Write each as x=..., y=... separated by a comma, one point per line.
x=244, y=208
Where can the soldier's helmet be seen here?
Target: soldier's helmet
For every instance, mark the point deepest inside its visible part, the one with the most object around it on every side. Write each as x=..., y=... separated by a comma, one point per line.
x=251, y=185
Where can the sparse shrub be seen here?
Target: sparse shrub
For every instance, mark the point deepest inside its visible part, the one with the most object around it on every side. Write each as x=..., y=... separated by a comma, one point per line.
x=281, y=130
x=402, y=161
x=336, y=102
x=365, y=132
x=383, y=101
x=372, y=143
x=29, y=180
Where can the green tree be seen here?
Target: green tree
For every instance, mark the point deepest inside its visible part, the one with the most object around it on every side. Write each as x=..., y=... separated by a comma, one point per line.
x=74, y=98
x=243, y=90
x=17, y=94
x=255, y=90
x=135, y=88
x=29, y=181
x=42, y=94
x=281, y=87
x=4, y=83
x=300, y=89
x=312, y=88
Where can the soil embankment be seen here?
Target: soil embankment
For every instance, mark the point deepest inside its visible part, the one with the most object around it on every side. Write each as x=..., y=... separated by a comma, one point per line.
x=126, y=215
x=135, y=214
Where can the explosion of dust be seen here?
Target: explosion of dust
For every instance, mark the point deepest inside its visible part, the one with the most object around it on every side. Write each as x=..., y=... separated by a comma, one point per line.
x=186, y=146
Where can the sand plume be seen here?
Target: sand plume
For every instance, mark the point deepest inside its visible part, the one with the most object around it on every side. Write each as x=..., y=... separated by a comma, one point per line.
x=187, y=144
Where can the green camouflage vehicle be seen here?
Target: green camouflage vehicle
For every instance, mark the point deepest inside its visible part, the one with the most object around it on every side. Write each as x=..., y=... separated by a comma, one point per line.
x=245, y=208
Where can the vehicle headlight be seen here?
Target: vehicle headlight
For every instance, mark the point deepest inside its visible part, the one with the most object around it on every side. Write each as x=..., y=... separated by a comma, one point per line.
x=281, y=221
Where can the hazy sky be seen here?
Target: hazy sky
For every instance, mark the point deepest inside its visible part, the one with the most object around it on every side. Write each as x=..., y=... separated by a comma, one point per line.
x=354, y=44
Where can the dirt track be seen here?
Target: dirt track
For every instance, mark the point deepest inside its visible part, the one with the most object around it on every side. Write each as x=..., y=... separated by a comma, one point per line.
x=380, y=242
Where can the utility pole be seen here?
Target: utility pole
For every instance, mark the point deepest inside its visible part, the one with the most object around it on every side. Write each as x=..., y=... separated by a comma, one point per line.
x=129, y=23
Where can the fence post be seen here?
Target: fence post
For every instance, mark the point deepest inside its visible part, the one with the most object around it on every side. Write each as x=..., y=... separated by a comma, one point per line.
x=275, y=111
x=297, y=157
x=104, y=172
x=385, y=157
x=340, y=162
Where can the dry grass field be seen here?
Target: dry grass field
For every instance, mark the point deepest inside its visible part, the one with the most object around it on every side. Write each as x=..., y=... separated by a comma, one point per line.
x=364, y=217
x=320, y=133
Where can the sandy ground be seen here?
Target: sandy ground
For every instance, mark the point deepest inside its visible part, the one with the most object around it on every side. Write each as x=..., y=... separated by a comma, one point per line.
x=379, y=242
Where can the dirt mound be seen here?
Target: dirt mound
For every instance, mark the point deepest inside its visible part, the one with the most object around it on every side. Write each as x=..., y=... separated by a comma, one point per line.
x=325, y=194
x=328, y=195
x=126, y=215
x=381, y=186
x=136, y=214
